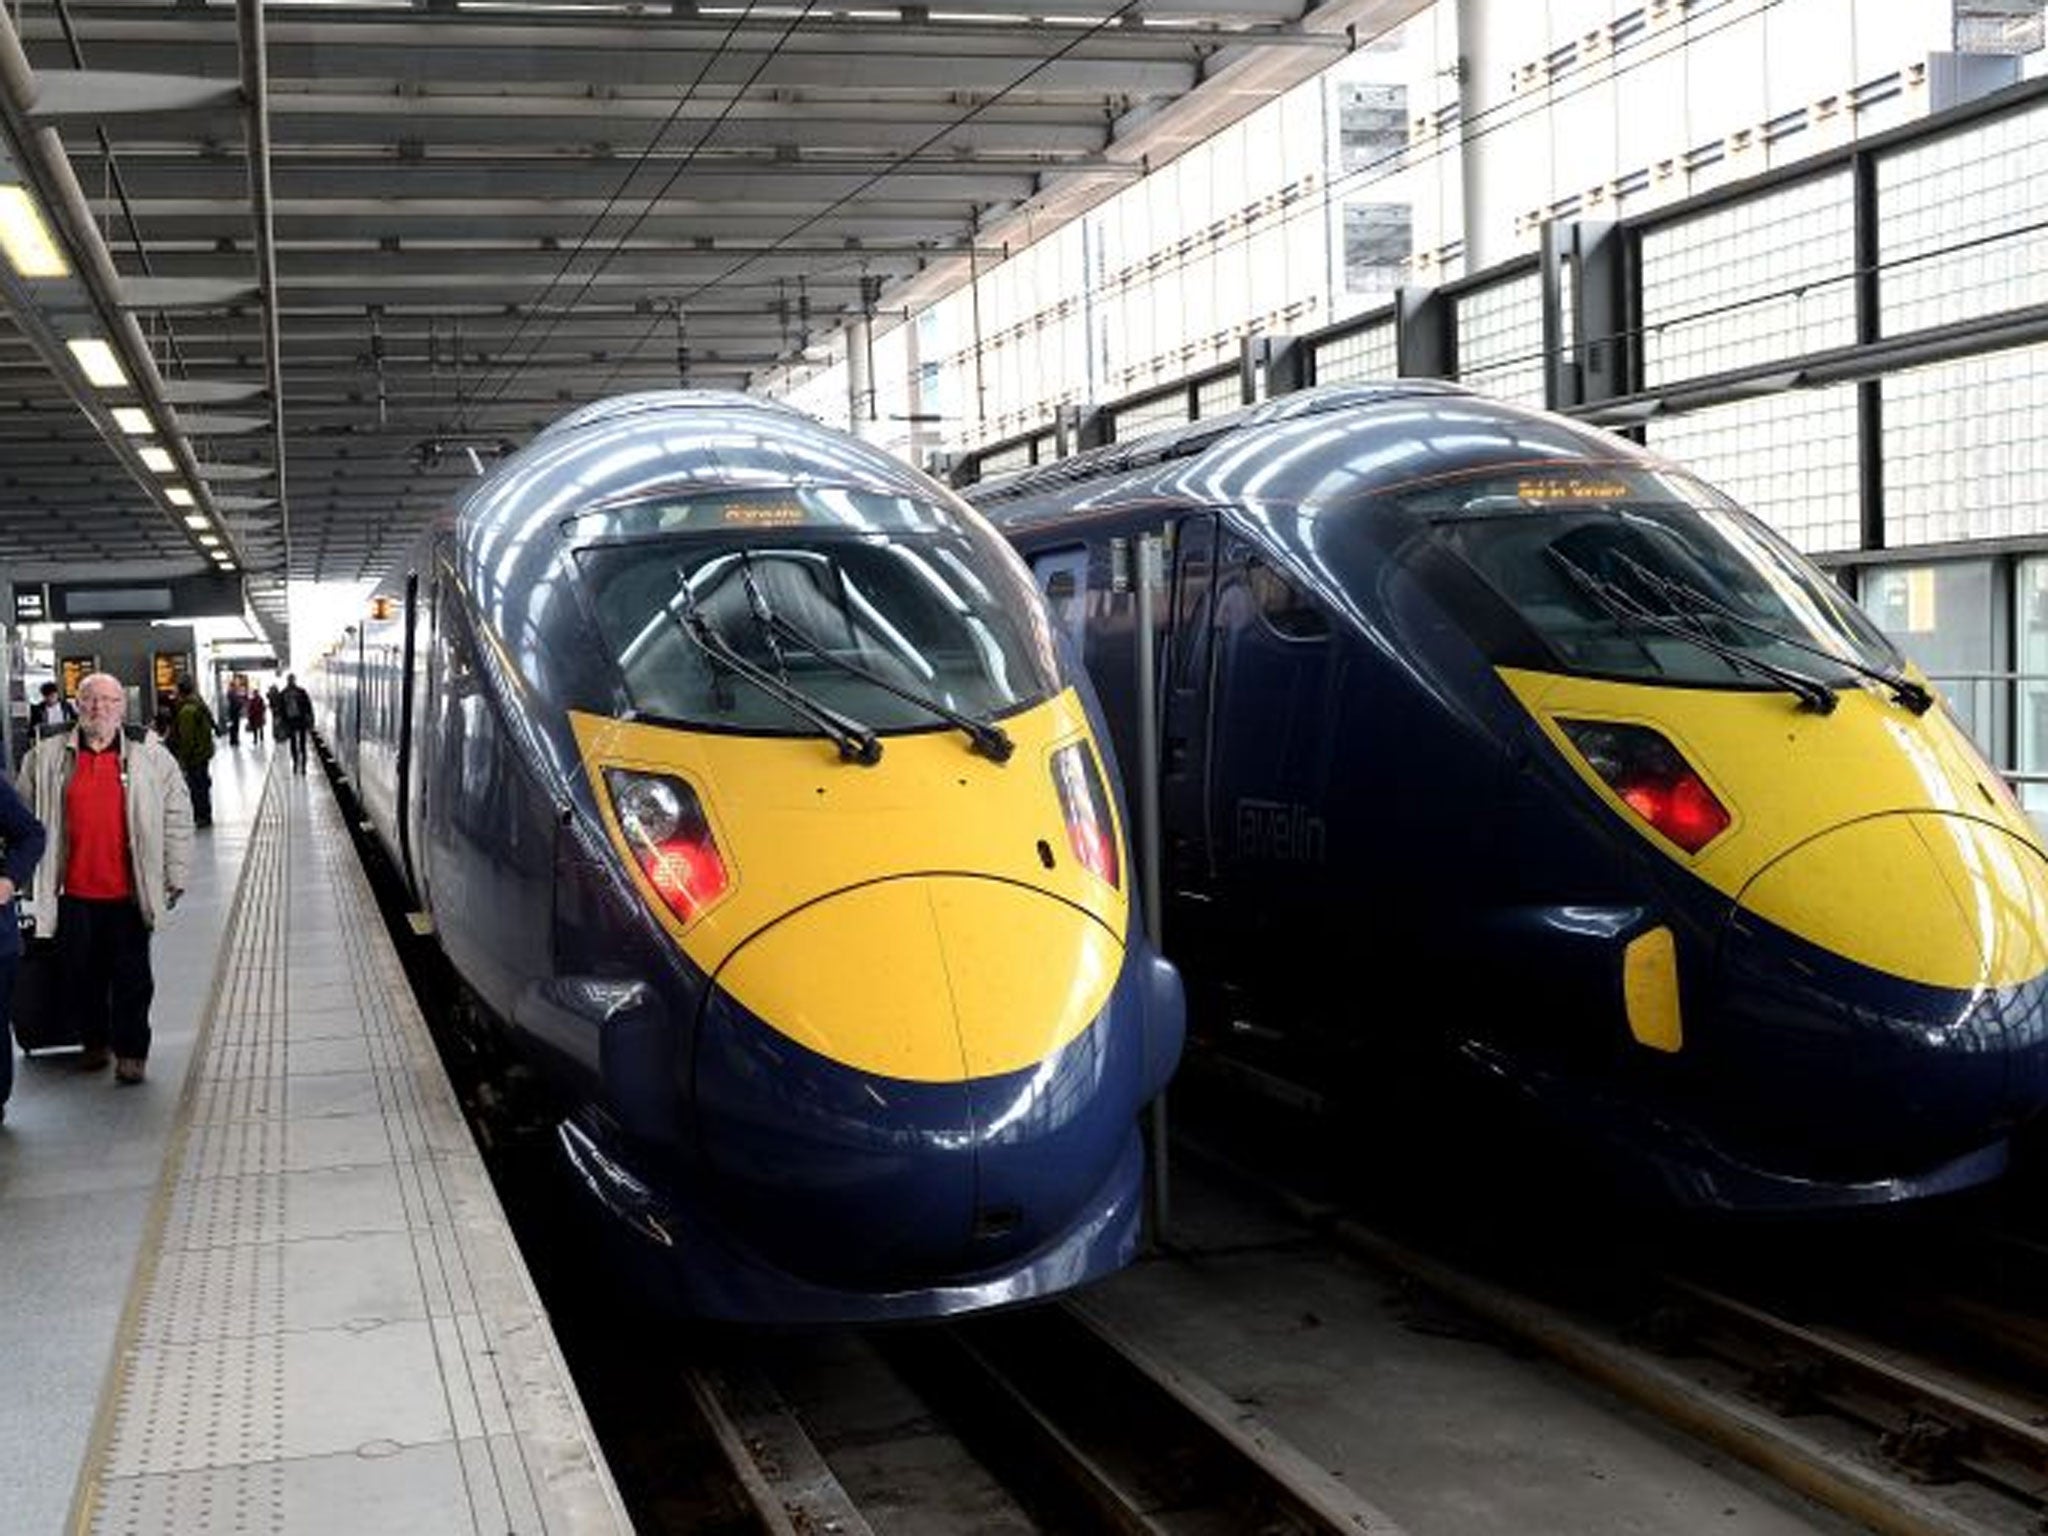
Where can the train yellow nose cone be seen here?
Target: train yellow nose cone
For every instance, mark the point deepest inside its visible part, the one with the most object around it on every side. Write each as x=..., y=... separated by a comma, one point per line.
x=933, y=978
x=1941, y=899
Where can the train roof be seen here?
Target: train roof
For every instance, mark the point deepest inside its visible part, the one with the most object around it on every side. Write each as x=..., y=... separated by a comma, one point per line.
x=651, y=400
x=1197, y=436
x=1305, y=448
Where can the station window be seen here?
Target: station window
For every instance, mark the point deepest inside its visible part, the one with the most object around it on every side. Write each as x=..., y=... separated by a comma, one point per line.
x=1941, y=615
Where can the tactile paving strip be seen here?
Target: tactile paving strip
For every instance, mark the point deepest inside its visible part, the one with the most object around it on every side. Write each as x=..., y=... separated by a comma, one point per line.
x=331, y=1318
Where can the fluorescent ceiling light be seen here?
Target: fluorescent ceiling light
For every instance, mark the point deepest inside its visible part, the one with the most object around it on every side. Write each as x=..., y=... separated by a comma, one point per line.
x=26, y=238
x=178, y=495
x=133, y=420
x=98, y=360
x=198, y=520
x=159, y=460
x=210, y=540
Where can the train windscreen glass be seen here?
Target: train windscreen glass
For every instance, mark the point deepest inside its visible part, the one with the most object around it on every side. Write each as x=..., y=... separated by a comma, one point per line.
x=933, y=609
x=1635, y=573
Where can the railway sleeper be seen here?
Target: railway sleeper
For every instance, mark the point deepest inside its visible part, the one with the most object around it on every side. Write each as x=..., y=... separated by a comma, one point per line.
x=1927, y=1448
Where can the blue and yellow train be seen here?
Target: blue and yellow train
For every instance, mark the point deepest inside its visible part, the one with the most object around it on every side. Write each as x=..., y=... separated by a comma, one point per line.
x=744, y=784
x=1495, y=739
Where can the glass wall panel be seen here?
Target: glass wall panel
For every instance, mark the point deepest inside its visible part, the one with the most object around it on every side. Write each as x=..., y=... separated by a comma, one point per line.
x=1500, y=339
x=1219, y=396
x=1155, y=415
x=1961, y=223
x=2030, y=593
x=1790, y=459
x=1941, y=615
x=1367, y=353
x=1759, y=279
x=1962, y=451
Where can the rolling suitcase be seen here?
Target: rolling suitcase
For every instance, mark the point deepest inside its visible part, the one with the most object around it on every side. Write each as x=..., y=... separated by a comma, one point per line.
x=40, y=1021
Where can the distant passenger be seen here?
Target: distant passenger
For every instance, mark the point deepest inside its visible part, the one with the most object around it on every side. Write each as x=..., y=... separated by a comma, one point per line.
x=51, y=709
x=237, y=702
x=191, y=743
x=256, y=712
x=295, y=718
x=276, y=720
x=120, y=821
x=21, y=849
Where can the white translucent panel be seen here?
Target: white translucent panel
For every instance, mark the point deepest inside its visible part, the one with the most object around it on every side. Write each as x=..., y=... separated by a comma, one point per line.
x=1961, y=230
x=1790, y=459
x=1500, y=339
x=1962, y=452
x=1219, y=396
x=1760, y=279
x=1135, y=421
x=1363, y=354
x=1009, y=459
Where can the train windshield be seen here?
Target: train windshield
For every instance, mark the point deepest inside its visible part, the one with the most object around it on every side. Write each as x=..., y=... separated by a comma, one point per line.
x=1635, y=573
x=933, y=608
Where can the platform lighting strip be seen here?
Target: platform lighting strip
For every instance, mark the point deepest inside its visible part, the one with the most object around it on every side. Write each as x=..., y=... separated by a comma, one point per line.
x=31, y=250
x=26, y=238
x=97, y=360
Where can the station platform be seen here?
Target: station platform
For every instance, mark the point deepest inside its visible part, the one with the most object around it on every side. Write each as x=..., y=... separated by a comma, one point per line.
x=271, y=1289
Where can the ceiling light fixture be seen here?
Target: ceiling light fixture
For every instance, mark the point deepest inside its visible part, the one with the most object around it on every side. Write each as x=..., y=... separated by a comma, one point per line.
x=134, y=420
x=178, y=496
x=198, y=520
x=98, y=360
x=159, y=460
x=26, y=238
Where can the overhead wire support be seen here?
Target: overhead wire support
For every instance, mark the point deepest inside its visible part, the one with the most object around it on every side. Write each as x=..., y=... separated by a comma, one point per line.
x=510, y=367
x=256, y=110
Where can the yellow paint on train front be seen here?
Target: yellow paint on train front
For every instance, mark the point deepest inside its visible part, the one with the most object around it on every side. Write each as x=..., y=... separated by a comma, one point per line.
x=899, y=918
x=1876, y=833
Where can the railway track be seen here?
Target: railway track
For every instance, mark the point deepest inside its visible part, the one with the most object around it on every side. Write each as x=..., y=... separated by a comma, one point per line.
x=1901, y=1444
x=1088, y=1431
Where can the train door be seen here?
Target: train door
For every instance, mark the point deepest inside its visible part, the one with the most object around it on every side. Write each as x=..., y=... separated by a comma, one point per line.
x=1187, y=733
x=1274, y=777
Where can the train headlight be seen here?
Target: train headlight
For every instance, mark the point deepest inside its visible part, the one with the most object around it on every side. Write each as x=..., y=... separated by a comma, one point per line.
x=671, y=839
x=1652, y=779
x=1090, y=831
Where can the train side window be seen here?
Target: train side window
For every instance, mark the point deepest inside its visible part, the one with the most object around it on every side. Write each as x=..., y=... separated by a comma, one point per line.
x=1288, y=612
x=1062, y=576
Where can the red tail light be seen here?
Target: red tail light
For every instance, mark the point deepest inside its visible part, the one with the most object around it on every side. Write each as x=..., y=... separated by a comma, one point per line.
x=665, y=827
x=1090, y=831
x=1652, y=780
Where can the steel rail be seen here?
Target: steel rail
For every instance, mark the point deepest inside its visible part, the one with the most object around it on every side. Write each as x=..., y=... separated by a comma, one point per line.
x=1134, y=1440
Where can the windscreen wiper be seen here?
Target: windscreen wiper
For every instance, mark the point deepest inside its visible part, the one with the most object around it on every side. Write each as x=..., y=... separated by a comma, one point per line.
x=856, y=743
x=1904, y=690
x=984, y=736
x=1810, y=691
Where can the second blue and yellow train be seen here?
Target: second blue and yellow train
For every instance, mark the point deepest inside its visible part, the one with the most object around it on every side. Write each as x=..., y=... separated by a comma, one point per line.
x=1497, y=740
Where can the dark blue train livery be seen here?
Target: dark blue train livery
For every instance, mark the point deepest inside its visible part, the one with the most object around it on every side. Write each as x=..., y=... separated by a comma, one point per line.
x=746, y=787
x=1496, y=739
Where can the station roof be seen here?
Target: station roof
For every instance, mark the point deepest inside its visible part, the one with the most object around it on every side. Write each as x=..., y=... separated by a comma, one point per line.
x=483, y=213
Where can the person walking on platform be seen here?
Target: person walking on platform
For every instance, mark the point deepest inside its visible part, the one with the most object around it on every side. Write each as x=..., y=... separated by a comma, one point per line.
x=21, y=849
x=191, y=743
x=295, y=718
x=257, y=710
x=119, y=819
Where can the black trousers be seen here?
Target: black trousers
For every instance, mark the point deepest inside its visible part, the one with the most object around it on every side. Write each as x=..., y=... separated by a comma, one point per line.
x=200, y=782
x=103, y=967
x=296, y=734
